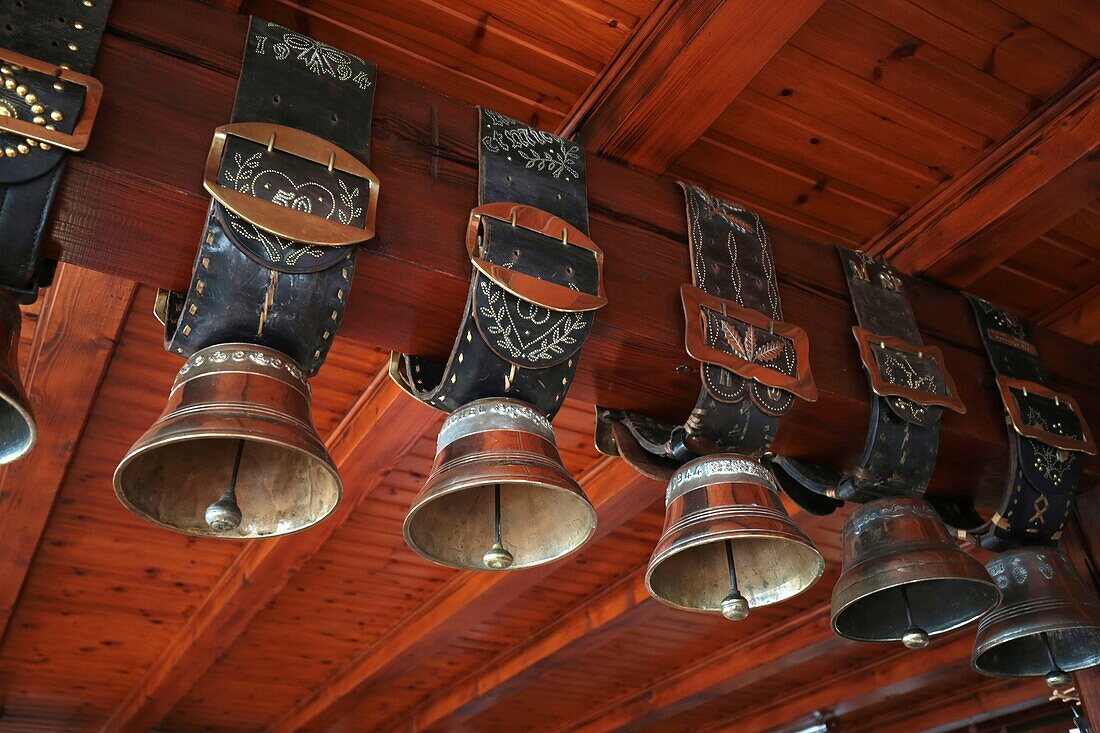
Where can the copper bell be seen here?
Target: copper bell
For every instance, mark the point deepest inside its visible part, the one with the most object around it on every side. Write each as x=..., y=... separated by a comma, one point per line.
x=235, y=453
x=498, y=496
x=728, y=544
x=18, y=432
x=903, y=578
x=1048, y=624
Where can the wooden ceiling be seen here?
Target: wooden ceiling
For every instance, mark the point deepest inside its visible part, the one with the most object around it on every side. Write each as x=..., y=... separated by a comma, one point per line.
x=960, y=139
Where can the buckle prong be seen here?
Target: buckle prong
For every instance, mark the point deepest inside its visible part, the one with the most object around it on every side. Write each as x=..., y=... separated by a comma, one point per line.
x=331, y=160
x=271, y=143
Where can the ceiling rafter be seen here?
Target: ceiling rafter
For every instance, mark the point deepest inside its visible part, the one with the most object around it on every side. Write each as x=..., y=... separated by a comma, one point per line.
x=679, y=71
x=992, y=699
x=616, y=491
x=82, y=315
x=1015, y=192
x=382, y=425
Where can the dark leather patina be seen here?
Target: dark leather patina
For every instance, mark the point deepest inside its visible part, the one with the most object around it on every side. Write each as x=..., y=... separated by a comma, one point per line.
x=1038, y=495
x=731, y=260
x=899, y=454
x=250, y=285
x=508, y=346
x=58, y=32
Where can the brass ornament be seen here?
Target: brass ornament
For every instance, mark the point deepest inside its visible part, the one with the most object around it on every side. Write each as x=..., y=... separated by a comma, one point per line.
x=234, y=454
x=18, y=430
x=904, y=578
x=1048, y=624
x=498, y=496
x=728, y=544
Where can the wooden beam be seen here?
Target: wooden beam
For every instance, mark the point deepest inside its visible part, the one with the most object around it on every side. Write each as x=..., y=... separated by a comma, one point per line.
x=380, y=427
x=995, y=698
x=616, y=491
x=679, y=71
x=1015, y=192
x=129, y=202
x=768, y=653
x=81, y=318
x=597, y=622
x=897, y=672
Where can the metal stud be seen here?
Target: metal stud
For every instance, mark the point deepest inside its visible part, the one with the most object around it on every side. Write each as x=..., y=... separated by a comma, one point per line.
x=56, y=116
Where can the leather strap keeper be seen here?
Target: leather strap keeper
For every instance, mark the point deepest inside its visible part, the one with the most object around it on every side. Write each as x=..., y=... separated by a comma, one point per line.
x=1046, y=434
x=752, y=365
x=909, y=389
x=293, y=198
x=47, y=108
x=537, y=277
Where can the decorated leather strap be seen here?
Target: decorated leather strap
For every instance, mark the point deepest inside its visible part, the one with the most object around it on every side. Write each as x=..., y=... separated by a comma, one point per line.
x=1047, y=435
x=752, y=365
x=293, y=198
x=537, y=277
x=910, y=387
x=48, y=105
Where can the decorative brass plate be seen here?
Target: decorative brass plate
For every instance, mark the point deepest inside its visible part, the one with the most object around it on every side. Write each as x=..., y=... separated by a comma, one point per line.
x=281, y=220
x=801, y=384
x=532, y=289
x=75, y=141
x=1006, y=384
x=882, y=388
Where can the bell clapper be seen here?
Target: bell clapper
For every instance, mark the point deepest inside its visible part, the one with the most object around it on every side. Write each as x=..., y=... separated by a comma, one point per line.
x=496, y=557
x=1057, y=677
x=913, y=637
x=224, y=515
x=734, y=606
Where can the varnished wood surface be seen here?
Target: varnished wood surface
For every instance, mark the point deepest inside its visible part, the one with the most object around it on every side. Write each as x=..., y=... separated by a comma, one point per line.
x=868, y=111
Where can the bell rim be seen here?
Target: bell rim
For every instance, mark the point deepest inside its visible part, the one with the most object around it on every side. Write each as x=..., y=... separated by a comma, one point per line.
x=1070, y=667
x=807, y=543
x=577, y=494
x=836, y=613
x=329, y=466
x=28, y=418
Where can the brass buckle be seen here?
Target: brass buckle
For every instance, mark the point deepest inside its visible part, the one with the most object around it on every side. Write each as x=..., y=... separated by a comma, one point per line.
x=74, y=141
x=281, y=220
x=882, y=388
x=695, y=300
x=528, y=287
x=1006, y=384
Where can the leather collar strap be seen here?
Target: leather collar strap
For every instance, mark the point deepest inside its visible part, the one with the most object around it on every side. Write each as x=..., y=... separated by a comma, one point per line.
x=1046, y=433
x=308, y=156
x=752, y=365
x=536, y=277
x=53, y=34
x=909, y=386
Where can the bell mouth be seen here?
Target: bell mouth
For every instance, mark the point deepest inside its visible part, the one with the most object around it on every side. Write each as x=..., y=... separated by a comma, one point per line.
x=18, y=431
x=1026, y=656
x=937, y=605
x=539, y=522
x=770, y=569
x=280, y=488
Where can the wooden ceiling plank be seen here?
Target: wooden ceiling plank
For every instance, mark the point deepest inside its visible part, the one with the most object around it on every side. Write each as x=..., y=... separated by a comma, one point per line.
x=993, y=699
x=615, y=490
x=382, y=425
x=589, y=626
x=678, y=74
x=855, y=690
x=1074, y=21
x=79, y=324
x=1011, y=179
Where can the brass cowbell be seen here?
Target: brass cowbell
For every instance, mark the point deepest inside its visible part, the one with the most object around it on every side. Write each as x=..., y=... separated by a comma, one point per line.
x=498, y=496
x=728, y=544
x=903, y=578
x=18, y=432
x=1048, y=624
x=234, y=454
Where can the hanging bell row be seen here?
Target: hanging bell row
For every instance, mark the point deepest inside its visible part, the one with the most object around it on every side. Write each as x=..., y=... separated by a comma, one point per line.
x=234, y=454
x=728, y=544
x=498, y=496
